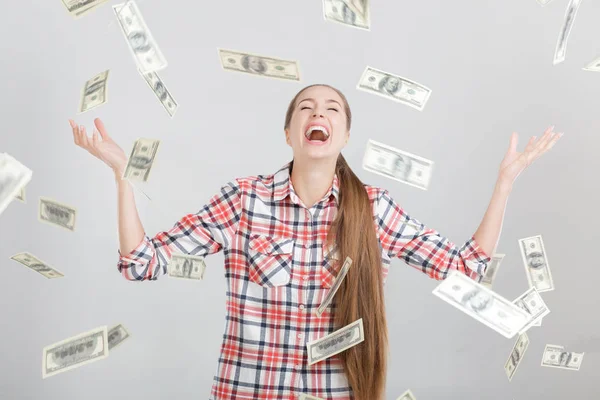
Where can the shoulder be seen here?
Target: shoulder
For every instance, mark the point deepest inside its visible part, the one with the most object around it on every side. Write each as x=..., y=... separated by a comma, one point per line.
x=375, y=193
x=261, y=185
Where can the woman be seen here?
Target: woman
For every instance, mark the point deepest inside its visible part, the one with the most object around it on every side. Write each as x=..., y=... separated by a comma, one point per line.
x=284, y=236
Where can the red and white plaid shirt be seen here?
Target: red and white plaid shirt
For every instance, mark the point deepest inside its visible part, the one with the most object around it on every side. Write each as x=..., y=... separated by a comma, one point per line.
x=278, y=270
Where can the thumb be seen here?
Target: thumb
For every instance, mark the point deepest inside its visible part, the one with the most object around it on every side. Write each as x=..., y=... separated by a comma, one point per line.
x=514, y=140
x=100, y=126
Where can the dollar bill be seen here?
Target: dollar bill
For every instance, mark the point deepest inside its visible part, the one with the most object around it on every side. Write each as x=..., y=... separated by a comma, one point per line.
x=516, y=355
x=336, y=342
x=534, y=305
x=78, y=8
x=556, y=357
x=13, y=177
x=75, y=352
x=160, y=91
x=304, y=396
x=492, y=270
x=535, y=260
x=186, y=266
x=37, y=265
x=394, y=87
x=116, y=335
x=593, y=66
x=408, y=395
x=561, y=44
x=254, y=64
x=141, y=43
x=58, y=214
x=481, y=303
x=537, y=322
x=339, y=11
x=396, y=164
x=361, y=8
x=21, y=195
x=94, y=92
x=141, y=159
x=335, y=286
x=543, y=2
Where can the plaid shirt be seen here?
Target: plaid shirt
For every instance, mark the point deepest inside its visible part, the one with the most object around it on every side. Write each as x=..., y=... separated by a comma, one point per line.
x=278, y=270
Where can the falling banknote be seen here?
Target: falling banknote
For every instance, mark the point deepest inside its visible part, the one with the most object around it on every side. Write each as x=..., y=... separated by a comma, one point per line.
x=254, y=64
x=78, y=8
x=556, y=357
x=54, y=213
x=143, y=47
x=116, y=335
x=593, y=66
x=304, y=396
x=336, y=342
x=35, y=264
x=13, y=177
x=408, y=395
x=160, y=91
x=482, y=304
x=561, y=44
x=94, y=92
x=394, y=87
x=535, y=260
x=543, y=2
x=21, y=195
x=341, y=12
x=336, y=285
x=396, y=164
x=516, y=355
x=75, y=352
x=533, y=304
x=141, y=160
x=492, y=270
x=186, y=266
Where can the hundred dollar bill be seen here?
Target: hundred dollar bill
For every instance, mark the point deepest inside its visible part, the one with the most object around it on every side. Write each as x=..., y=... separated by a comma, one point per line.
x=335, y=286
x=304, y=396
x=186, y=266
x=535, y=260
x=482, y=304
x=78, y=8
x=408, y=395
x=394, y=87
x=141, y=43
x=340, y=12
x=160, y=91
x=116, y=335
x=516, y=355
x=141, y=159
x=492, y=269
x=561, y=45
x=94, y=92
x=75, y=352
x=13, y=178
x=336, y=342
x=35, y=264
x=58, y=214
x=593, y=66
x=21, y=195
x=534, y=305
x=556, y=357
x=396, y=164
x=253, y=64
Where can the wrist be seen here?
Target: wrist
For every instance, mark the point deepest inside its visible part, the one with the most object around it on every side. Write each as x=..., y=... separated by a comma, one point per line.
x=504, y=185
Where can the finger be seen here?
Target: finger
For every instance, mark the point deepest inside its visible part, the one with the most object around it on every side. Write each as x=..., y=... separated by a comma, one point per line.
x=75, y=130
x=514, y=140
x=552, y=142
x=83, y=137
x=100, y=126
x=530, y=144
x=95, y=140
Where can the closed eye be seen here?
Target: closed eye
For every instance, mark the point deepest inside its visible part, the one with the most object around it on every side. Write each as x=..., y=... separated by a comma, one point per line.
x=334, y=109
x=304, y=108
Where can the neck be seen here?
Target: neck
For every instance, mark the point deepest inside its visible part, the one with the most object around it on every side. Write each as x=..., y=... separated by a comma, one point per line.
x=312, y=179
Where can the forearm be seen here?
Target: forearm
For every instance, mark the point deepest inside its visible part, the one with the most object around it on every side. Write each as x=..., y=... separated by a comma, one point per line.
x=488, y=232
x=131, y=231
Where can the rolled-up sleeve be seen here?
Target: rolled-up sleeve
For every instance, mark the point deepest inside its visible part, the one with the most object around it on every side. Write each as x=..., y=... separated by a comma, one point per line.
x=424, y=248
x=200, y=234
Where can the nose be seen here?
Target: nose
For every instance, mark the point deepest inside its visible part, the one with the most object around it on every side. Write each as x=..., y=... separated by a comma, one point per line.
x=317, y=114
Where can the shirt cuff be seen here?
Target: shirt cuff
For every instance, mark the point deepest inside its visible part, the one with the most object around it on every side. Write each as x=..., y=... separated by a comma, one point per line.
x=140, y=255
x=476, y=260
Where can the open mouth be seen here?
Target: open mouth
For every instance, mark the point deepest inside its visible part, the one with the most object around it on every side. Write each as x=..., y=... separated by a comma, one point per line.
x=317, y=134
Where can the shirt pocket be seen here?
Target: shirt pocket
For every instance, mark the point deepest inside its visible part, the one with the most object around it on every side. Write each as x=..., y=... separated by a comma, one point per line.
x=270, y=260
x=332, y=265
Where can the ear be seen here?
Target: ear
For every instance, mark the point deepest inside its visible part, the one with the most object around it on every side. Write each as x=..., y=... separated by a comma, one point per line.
x=287, y=137
x=347, y=137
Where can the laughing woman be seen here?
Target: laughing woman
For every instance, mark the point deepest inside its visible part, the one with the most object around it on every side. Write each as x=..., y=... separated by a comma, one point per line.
x=283, y=236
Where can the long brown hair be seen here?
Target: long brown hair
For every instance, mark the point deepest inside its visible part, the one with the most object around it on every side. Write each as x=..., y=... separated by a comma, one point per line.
x=361, y=292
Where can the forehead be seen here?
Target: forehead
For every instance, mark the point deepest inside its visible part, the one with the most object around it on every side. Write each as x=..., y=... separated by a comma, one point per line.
x=320, y=93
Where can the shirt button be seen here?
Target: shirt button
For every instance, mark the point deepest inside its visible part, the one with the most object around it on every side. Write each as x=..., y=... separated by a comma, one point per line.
x=296, y=367
x=301, y=306
x=305, y=277
x=300, y=335
x=307, y=246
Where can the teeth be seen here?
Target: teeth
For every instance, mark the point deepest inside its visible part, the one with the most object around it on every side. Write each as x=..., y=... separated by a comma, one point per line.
x=317, y=128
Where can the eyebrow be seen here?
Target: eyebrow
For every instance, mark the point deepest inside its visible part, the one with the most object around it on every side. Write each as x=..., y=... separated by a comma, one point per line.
x=326, y=101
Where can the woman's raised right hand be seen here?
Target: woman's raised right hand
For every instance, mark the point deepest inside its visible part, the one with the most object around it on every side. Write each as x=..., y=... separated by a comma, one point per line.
x=100, y=145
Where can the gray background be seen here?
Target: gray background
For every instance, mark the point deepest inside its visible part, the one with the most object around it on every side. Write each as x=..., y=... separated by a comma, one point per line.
x=489, y=64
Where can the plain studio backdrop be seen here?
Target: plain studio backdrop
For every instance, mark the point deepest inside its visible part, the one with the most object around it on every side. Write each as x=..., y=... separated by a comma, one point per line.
x=489, y=65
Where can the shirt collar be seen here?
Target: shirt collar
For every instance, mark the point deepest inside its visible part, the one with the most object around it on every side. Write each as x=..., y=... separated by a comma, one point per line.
x=282, y=185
